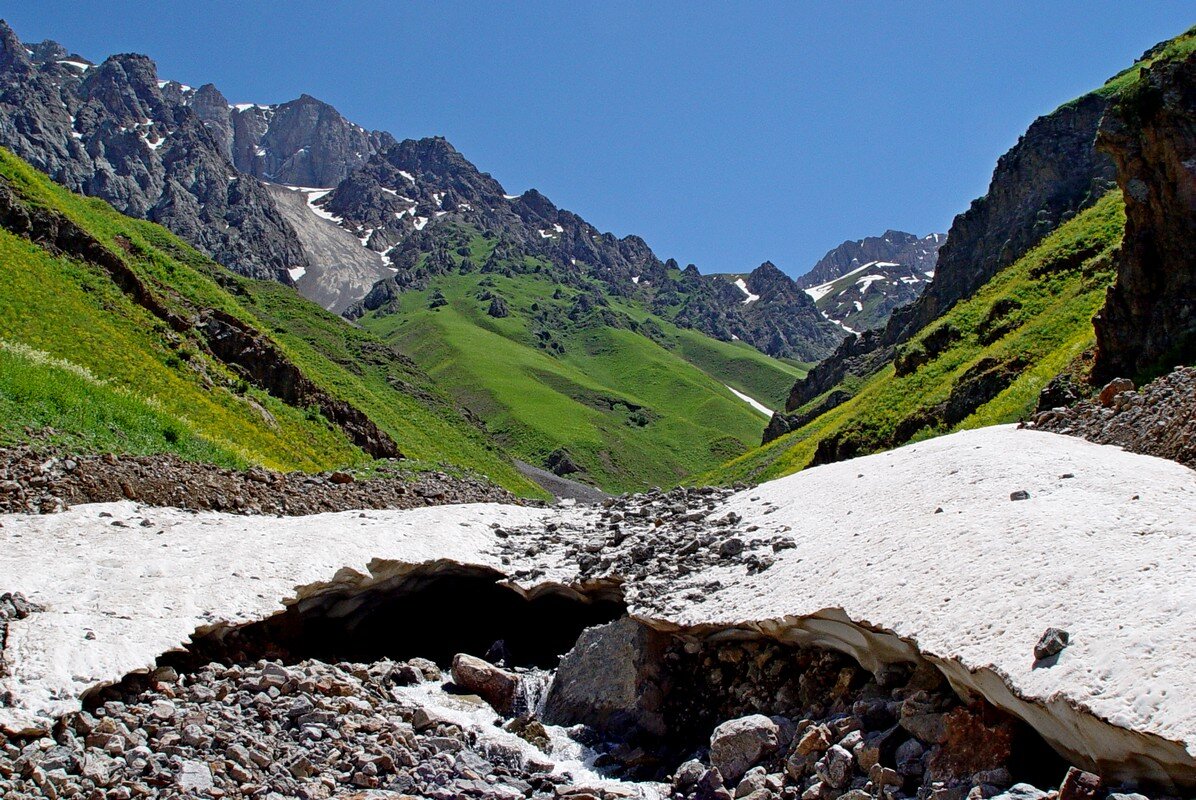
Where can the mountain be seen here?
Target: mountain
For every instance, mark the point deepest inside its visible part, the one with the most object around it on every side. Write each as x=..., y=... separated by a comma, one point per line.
x=116, y=336
x=110, y=131
x=1010, y=312
x=858, y=284
x=917, y=253
x=215, y=174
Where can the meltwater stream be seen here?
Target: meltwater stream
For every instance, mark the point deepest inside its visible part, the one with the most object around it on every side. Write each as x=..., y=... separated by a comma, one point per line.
x=568, y=757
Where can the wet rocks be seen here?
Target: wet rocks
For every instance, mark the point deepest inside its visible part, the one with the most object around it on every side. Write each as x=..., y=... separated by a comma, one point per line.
x=494, y=685
x=308, y=730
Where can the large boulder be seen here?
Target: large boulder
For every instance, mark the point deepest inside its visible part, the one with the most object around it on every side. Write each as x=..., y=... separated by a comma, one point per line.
x=610, y=681
x=739, y=744
x=494, y=685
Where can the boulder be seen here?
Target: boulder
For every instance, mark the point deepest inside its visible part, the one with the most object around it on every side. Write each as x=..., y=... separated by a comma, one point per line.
x=494, y=685
x=609, y=681
x=1112, y=389
x=739, y=744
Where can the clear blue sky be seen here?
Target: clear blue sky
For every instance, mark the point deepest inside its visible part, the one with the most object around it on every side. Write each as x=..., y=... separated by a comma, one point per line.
x=723, y=133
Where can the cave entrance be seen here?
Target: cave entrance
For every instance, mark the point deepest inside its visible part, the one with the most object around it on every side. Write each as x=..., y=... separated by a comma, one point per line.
x=433, y=612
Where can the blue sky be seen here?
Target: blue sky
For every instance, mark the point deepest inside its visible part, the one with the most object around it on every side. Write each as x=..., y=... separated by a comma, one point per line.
x=724, y=134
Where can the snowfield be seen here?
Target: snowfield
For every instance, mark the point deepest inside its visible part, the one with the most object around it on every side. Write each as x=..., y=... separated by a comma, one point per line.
x=1102, y=548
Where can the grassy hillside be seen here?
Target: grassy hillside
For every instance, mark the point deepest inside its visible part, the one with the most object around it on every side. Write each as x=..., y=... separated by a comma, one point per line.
x=1032, y=321
x=633, y=400
x=80, y=356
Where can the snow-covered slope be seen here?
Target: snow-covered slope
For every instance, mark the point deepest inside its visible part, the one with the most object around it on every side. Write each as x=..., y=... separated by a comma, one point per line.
x=915, y=553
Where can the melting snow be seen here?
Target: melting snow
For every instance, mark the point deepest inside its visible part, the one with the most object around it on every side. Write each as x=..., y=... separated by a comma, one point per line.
x=828, y=318
x=756, y=404
x=297, y=273
x=510, y=197
x=742, y=284
x=635, y=279
x=79, y=65
x=410, y=178
x=420, y=222
x=858, y=305
x=823, y=289
x=868, y=280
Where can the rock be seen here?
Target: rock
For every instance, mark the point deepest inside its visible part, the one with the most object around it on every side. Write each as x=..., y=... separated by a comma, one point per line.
x=738, y=744
x=1113, y=388
x=909, y=758
x=608, y=681
x=834, y=769
x=755, y=780
x=341, y=478
x=1051, y=643
x=1149, y=316
x=498, y=308
x=194, y=776
x=730, y=547
x=977, y=742
x=816, y=739
x=496, y=686
x=1020, y=494
x=688, y=774
x=1021, y=791
x=1079, y=785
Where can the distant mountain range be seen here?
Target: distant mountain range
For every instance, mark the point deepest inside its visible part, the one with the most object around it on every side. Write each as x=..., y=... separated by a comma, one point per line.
x=229, y=178
x=858, y=284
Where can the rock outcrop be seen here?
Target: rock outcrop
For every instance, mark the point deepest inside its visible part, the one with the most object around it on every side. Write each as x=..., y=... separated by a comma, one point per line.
x=116, y=132
x=1149, y=318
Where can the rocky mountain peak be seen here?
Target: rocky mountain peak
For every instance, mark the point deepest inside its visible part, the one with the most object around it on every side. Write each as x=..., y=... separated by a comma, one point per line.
x=126, y=86
x=13, y=55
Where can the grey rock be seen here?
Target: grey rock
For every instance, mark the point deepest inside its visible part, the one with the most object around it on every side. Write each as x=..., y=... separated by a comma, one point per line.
x=738, y=744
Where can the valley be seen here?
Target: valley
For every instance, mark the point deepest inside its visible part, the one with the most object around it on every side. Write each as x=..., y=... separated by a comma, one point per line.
x=331, y=469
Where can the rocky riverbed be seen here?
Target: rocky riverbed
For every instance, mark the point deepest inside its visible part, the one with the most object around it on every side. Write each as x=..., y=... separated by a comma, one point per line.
x=894, y=642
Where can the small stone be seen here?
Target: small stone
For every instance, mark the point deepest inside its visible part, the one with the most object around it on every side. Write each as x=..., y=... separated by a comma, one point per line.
x=1020, y=494
x=194, y=776
x=1079, y=785
x=1052, y=643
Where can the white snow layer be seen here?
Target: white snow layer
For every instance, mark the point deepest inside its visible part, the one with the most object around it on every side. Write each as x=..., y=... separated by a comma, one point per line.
x=297, y=272
x=751, y=401
x=742, y=284
x=877, y=573
x=821, y=290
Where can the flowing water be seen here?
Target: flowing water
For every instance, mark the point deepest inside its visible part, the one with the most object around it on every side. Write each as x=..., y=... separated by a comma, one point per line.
x=567, y=756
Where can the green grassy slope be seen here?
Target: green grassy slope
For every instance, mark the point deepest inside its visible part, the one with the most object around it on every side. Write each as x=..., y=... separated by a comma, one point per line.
x=1035, y=316
x=79, y=356
x=633, y=399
